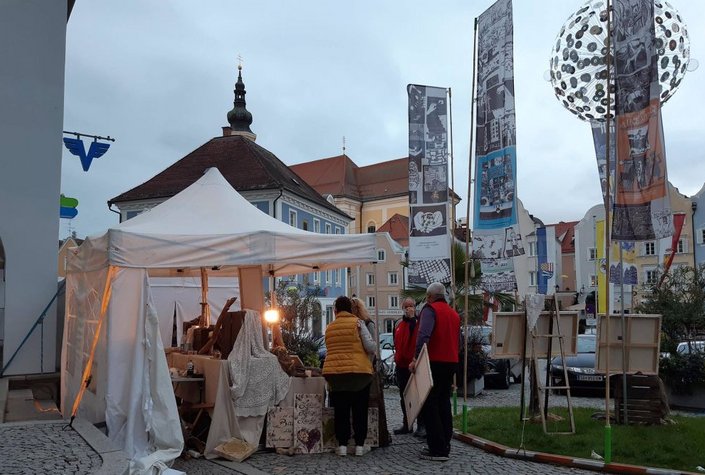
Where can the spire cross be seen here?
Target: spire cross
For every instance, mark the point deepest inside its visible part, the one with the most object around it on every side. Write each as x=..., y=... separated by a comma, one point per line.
x=343, y=144
x=239, y=61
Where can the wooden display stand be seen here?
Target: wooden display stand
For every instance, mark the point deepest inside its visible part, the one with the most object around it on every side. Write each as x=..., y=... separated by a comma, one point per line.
x=642, y=341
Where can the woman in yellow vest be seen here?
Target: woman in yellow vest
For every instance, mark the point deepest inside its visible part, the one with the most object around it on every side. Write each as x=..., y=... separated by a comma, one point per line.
x=348, y=371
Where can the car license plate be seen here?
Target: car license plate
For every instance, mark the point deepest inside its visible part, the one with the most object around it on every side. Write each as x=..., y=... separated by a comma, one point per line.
x=590, y=378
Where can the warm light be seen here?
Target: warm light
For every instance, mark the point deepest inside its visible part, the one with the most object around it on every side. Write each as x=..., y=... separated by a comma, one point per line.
x=271, y=316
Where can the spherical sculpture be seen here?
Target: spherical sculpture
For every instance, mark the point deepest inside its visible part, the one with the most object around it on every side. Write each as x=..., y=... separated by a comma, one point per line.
x=578, y=59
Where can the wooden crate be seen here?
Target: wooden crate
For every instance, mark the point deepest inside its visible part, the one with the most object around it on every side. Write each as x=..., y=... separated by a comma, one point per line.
x=646, y=399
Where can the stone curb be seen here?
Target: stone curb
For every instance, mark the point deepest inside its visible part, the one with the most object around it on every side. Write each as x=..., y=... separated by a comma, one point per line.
x=541, y=457
x=115, y=462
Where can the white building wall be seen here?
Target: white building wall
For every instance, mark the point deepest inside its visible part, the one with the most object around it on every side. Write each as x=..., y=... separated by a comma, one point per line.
x=585, y=239
x=33, y=42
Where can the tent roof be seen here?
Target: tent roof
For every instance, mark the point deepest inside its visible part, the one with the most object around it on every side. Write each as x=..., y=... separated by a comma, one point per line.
x=210, y=224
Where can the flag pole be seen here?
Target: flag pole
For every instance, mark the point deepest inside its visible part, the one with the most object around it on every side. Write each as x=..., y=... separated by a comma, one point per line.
x=451, y=212
x=608, y=428
x=467, y=229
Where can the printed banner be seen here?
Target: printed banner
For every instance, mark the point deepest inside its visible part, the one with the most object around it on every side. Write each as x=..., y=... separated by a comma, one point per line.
x=599, y=139
x=496, y=238
x=429, y=227
x=628, y=261
x=546, y=252
x=642, y=208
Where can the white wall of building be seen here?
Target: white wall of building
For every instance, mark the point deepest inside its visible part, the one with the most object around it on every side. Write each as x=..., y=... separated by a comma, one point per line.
x=32, y=48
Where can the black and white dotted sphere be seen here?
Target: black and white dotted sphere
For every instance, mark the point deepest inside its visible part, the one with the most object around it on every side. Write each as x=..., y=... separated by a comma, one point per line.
x=578, y=58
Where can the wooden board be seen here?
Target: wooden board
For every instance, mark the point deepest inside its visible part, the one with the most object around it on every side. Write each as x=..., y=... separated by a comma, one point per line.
x=418, y=387
x=508, y=335
x=280, y=427
x=308, y=437
x=642, y=338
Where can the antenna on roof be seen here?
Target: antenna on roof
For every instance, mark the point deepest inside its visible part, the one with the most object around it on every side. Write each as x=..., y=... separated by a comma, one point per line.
x=343, y=144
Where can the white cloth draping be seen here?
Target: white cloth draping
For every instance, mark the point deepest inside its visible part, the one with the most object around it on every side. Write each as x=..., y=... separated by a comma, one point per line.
x=258, y=380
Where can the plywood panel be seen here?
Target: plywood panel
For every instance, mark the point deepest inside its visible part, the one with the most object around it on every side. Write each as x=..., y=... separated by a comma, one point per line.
x=418, y=387
x=508, y=336
x=642, y=339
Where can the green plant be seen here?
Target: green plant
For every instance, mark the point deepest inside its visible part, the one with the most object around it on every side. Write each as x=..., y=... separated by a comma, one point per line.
x=298, y=308
x=683, y=372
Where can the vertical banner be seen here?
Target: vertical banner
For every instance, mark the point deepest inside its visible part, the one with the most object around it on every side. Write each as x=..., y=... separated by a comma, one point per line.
x=429, y=227
x=601, y=267
x=626, y=269
x=599, y=139
x=546, y=251
x=678, y=222
x=496, y=238
x=642, y=208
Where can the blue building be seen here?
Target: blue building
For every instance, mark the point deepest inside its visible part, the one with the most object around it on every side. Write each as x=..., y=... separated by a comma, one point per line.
x=259, y=176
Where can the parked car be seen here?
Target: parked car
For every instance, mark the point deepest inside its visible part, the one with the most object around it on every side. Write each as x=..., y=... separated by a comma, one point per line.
x=498, y=372
x=687, y=347
x=582, y=374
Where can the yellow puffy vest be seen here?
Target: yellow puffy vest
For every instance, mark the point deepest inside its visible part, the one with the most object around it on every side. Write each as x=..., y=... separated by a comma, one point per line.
x=345, y=353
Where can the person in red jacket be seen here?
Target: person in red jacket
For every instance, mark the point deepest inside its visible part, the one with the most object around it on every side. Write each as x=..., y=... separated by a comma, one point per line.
x=404, y=347
x=439, y=329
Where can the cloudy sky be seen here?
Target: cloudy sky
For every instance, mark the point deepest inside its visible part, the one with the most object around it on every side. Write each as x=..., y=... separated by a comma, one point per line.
x=158, y=75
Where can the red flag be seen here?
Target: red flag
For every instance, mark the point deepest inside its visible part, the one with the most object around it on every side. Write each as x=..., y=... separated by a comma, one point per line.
x=678, y=221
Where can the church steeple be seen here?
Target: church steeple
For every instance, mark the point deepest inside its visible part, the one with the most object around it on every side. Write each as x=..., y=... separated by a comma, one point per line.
x=239, y=117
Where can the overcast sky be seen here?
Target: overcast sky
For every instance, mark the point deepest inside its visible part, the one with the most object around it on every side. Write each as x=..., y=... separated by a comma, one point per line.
x=159, y=76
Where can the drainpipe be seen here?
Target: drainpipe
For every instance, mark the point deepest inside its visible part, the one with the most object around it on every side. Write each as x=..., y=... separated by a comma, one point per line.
x=361, y=205
x=110, y=207
x=274, y=203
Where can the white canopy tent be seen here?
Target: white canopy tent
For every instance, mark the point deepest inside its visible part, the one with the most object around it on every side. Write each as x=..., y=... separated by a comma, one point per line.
x=207, y=225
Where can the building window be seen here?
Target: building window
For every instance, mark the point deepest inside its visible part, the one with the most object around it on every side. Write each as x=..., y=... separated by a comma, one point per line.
x=389, y=325
x=532, y=278
x=338, y=277
x=651, y=277
x=329, y=314
x=592, y=254
x=304, y=225
x=316, y=225
x=371, y=301
x=132, y=214
x=292, y=218
x=532, y=249
x=681, y=247
x=381, y=255
x=328, y=228
x=593, y=280
x=701, y=234
x=370, y=279
x=371, y=227
x=393, y=301
x=329, y=279
x=649, y=248
x=338, y=230
x=393, y=278
x=316, y=277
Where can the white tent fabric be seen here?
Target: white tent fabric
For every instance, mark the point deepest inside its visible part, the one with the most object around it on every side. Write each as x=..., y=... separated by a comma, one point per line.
x=182, y=295
x=206, y=225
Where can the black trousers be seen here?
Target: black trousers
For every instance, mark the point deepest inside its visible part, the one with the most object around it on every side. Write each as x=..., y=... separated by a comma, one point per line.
x=403, y=376
x=437, y=411
x=343, y=403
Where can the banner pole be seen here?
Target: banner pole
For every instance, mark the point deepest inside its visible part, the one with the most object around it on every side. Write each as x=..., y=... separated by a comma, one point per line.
x=466, y=289
x=608, y=428
x=624, y=339
x=451, y=212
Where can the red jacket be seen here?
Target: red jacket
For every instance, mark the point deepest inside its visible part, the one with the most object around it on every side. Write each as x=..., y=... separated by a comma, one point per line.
x=443, y=345
x=405, y=343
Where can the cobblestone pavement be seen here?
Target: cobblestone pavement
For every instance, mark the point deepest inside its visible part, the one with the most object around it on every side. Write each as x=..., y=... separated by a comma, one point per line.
x=45, y=449
x=401, y=457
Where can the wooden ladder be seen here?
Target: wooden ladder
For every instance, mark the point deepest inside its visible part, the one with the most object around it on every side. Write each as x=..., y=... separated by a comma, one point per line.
x=545, y=389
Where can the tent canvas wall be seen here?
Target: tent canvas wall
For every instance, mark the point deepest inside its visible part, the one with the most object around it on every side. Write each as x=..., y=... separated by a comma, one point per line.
x=208, y=224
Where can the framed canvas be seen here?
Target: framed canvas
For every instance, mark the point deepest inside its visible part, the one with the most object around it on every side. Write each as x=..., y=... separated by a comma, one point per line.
x=418, y=387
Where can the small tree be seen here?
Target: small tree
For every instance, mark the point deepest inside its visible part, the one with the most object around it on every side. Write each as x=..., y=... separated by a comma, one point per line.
x=680, y=300
x=298, y=308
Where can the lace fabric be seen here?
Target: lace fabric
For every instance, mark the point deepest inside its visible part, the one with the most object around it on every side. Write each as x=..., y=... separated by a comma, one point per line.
x=258, y=380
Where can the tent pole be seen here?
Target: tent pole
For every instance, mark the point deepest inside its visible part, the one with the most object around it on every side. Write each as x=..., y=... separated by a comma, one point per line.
x=205, y=319
x=86, y=378
x=379, y=353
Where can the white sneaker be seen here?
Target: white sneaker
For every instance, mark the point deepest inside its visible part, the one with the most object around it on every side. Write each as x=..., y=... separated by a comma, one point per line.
x=359, y=450
x=342, y=450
